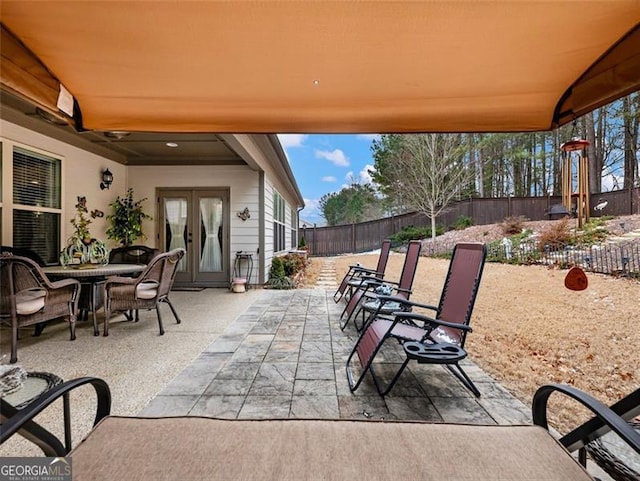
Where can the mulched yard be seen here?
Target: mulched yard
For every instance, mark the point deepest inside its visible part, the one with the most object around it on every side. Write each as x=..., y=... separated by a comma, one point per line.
x=530, y=330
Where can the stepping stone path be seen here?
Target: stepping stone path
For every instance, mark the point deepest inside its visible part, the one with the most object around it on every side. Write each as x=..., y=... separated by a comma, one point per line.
x=327, y=277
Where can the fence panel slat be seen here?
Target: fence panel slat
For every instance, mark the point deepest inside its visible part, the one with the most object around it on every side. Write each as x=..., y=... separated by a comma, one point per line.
x=367, y=236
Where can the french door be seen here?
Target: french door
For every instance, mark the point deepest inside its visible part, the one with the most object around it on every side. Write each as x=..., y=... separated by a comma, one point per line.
x=198, y=221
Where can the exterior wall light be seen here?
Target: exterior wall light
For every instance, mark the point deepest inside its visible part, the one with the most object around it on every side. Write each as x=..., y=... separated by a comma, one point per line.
x=107, y=179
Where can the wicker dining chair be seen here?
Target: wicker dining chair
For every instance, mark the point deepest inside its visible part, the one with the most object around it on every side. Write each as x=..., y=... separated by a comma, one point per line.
x=134, y=254
x=28, y=297
x=147, y=291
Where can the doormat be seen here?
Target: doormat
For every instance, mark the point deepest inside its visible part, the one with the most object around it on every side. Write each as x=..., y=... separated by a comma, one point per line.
x=188, y=289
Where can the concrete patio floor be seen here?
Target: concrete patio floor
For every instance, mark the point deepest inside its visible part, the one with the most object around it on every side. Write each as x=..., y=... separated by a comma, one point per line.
x=284, y=357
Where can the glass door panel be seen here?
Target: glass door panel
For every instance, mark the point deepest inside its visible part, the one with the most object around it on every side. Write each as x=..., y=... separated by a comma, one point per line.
x=175, y=211
x=211, y=234
x=197, y=220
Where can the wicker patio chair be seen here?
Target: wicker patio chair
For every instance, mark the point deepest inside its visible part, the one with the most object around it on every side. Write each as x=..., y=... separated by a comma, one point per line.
x=434, y=340
x=147, y=291
x=23, y=252
x=28, y=297
x=136, y=254
x=34, y=256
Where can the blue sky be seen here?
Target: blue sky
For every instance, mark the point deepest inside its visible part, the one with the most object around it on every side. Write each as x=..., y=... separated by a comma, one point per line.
x=326, y=163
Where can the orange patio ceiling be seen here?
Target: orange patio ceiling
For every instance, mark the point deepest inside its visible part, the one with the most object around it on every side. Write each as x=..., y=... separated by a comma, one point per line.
x=329, y=66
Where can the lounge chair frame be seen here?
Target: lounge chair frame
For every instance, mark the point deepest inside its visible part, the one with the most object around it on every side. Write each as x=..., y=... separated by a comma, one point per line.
x=364, y=289
x=442, y=336
x=352, y=278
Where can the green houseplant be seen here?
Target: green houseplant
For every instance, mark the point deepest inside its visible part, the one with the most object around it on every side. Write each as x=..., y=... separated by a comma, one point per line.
x=126, y=219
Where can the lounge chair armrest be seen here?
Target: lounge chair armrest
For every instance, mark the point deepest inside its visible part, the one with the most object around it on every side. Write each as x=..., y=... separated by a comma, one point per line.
x=403, y=301
x=363, y=269
x=406, y=302
x=371, y=278
x=412, y=316
x=23, y=418
x=420, y=305
x=608, y=419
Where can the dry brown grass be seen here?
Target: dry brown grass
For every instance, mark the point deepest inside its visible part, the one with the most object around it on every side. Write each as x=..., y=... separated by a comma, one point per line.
x=529, y=330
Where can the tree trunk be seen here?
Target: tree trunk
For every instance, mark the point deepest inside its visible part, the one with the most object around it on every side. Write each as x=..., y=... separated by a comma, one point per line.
x=630, y=117
x=433, y=227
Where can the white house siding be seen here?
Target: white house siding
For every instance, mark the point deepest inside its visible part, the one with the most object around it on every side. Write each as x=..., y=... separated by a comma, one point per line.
x=81, y=176
x=241, y=181
x=254, y=150
x=270, y=186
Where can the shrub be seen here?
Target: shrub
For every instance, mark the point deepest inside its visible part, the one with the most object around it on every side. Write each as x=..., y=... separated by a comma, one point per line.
x=593, y=232
x=411, y=232
x=302, y=243
x=513, y=224
x=277, y=271
x=557, y=236
x=293, y=263
x=462, y=222
x=283, y=270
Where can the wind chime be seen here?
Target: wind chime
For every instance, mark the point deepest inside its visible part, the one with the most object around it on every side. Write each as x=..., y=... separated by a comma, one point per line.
x=574, y=152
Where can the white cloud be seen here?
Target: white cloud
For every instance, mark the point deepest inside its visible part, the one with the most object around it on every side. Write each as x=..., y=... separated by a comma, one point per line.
x=336, y=157
x=292, y=140
x=329, y=178
x=368, y=136
x=311, y=213
x=363, y=176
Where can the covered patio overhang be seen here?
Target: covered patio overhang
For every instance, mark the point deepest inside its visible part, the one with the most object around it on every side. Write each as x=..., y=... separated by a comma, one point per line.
x=321, y=66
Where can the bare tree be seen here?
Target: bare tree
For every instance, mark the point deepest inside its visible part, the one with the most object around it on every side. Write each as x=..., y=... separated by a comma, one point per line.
x=429, y=172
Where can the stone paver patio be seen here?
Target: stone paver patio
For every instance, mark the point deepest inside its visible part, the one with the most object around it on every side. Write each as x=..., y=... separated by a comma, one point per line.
x=284, y=357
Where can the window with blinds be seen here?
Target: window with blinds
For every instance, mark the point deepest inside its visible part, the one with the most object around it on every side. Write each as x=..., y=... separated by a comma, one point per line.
x=278, y=222
x=36, y=179
x=36, y=186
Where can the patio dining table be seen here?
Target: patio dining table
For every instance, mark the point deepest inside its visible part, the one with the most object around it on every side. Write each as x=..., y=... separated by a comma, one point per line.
x=91, y=277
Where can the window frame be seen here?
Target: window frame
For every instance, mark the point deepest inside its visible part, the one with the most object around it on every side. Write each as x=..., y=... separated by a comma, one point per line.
x=7, y=204
x=279, y=222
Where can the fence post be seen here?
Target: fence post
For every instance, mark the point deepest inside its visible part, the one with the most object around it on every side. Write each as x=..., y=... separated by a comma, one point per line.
x=353, y=237
x=315, y=244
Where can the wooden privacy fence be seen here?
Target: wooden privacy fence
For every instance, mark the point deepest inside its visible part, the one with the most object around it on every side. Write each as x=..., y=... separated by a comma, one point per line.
x=367, y=236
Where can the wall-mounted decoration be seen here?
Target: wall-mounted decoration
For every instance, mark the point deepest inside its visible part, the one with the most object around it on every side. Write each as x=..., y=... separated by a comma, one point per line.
x=96, y=213
x=244, y=214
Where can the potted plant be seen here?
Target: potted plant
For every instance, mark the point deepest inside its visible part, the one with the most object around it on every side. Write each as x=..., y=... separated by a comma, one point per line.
x=126, y=219
x=81, y=247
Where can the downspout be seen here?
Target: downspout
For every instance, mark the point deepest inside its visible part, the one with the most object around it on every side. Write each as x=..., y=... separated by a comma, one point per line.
x=298, y=210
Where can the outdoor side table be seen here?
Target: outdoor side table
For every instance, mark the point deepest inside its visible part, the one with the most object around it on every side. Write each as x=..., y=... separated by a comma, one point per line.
x=616, y=457
x=32, y=387
x=243, y=263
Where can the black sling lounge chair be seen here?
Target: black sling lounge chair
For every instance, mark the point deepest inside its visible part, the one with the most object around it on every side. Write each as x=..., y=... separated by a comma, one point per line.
x=364, y=290
x=354, y=275
x=435, y=340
